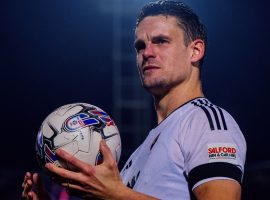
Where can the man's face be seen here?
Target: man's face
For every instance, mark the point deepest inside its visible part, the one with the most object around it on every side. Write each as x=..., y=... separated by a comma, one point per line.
x=162, y=56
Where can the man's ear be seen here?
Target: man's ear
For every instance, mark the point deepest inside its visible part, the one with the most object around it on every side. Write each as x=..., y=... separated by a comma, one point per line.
x=197, y=50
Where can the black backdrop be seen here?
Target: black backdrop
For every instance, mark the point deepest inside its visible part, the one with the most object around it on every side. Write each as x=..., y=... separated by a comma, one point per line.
x=58, y=52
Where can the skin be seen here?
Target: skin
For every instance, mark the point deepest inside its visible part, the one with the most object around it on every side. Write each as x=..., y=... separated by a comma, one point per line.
x=169, y=70
x=218, y=189
x=32, y=184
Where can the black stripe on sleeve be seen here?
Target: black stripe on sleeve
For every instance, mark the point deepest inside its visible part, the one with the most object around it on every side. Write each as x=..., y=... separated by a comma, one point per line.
x=216, y=169
x=216, y=116
x=211, y=106
x=207, y=115
x=222, y=118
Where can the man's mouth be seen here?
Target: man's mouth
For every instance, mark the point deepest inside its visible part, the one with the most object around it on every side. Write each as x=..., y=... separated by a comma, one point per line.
x=149, y=68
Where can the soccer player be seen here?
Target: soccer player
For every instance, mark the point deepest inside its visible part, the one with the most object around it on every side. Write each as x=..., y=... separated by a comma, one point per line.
x=196, y=149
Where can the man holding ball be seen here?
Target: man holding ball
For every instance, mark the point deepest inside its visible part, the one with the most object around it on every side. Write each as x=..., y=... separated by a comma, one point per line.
x=196, y=149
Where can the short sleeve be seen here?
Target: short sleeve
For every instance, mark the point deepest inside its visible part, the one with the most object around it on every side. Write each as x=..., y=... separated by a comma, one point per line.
x=213, y=146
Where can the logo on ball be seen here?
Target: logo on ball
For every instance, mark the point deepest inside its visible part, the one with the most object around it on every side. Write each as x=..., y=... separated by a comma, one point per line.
x=79, y=121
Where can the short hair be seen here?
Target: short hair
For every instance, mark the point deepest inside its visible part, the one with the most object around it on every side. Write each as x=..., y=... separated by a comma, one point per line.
x=187, y=19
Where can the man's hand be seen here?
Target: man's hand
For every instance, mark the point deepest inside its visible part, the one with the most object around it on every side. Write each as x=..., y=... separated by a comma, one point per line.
x=96, y=182
x=33, y=188
x=101, y=182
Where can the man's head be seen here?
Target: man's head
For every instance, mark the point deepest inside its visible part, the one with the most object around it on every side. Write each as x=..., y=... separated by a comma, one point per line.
x=187, y=19
x=170, y=45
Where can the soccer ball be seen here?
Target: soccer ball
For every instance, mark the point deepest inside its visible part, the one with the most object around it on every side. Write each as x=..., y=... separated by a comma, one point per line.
x=78, y=129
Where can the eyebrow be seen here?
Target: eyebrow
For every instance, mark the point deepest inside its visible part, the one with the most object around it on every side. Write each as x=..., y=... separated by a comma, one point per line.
x=159, y=36
x=163, y=36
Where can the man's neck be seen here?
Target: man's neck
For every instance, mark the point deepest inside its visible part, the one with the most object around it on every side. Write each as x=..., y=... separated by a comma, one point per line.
x=176, y=97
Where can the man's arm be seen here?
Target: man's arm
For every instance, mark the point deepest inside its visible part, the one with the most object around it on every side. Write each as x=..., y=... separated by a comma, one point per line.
x=218, y=189
x=99, y=182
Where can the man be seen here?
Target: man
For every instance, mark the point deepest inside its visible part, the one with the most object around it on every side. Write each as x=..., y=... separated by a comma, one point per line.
x=196, y=149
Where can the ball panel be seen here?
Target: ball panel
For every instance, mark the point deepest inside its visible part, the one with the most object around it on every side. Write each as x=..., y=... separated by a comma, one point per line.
x=46, y=130
x=63, y=139
x=84, y=139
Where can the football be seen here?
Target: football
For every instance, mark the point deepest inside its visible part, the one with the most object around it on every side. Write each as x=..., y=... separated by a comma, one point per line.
x=78, y=129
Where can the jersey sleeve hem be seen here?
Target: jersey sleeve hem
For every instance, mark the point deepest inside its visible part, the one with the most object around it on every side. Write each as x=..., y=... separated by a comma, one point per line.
x=211, y=170
x=211, y=179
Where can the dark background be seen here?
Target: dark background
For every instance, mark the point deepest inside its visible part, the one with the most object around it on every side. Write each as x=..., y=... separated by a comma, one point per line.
x=58, y=52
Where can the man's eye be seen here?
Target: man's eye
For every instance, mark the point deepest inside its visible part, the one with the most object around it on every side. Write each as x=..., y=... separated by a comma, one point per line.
x=139, y=46
x=160, y=41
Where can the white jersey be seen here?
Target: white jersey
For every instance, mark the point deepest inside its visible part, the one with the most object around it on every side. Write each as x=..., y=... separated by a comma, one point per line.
x=196, y=143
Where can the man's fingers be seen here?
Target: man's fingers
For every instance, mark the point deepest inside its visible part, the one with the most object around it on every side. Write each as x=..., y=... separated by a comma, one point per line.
x=80, y=165
x=30, y=194
x=26, y=177
x=36, y=178
x=78, y=190
x=106, y=153
x=38, y=182
x=85, y=167
x=67, y=174
x=70, y=159
x=27, y=187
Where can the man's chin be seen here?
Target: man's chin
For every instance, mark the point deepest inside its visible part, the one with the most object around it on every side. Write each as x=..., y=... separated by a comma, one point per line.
x=156, y=89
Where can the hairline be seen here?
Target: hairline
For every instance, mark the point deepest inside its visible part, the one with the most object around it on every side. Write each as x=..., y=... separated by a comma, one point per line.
x=187, y=38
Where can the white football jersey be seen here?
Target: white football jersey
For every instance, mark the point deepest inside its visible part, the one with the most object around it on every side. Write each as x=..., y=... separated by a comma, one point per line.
x=196, y=143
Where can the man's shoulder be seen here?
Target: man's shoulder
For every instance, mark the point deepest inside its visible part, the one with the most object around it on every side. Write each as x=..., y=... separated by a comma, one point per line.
x=204, y=112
